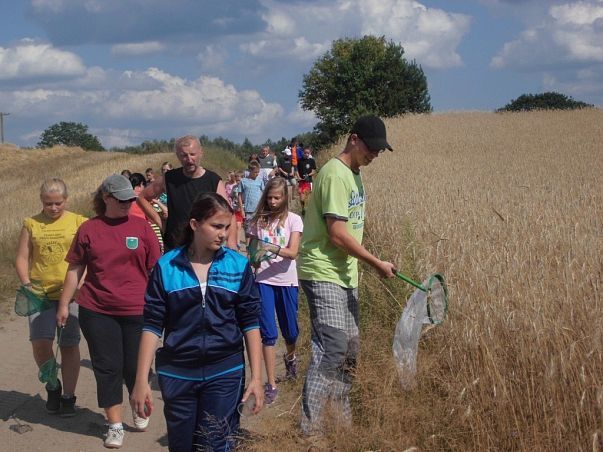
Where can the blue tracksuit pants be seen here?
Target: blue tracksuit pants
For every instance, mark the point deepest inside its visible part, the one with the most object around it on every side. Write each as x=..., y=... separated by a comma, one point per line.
x=283, y=300
x=202, y=415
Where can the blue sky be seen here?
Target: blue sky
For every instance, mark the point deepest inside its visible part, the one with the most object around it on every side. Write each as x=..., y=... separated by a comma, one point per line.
x=134, y=70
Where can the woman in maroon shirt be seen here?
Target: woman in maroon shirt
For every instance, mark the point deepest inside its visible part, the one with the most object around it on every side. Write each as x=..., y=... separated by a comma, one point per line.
x=117, y=250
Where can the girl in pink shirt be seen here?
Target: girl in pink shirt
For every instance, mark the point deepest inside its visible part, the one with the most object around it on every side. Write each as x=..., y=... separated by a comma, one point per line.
x=277, y=278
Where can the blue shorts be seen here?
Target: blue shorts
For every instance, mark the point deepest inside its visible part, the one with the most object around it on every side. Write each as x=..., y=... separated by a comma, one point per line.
x=43, y=325
x=283, y=300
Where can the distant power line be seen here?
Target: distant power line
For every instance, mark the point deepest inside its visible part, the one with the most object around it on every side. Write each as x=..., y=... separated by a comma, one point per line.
x=2, y=115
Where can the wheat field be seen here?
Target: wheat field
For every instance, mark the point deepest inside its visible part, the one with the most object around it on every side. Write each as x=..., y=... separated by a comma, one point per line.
x=509, y=208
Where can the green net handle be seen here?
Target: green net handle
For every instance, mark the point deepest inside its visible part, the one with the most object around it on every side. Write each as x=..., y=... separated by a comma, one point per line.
x=410, y=281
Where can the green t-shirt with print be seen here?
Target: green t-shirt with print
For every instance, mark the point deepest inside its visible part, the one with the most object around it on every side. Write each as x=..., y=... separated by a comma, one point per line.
x=337, y=192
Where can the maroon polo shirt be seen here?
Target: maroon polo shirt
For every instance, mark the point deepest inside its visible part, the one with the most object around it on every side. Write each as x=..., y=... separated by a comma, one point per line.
x=119, y=253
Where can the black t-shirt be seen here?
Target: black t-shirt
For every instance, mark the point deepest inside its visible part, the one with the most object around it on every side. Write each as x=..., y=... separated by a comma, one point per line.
x=181, y=192
x=286, y=165
x=305, y=167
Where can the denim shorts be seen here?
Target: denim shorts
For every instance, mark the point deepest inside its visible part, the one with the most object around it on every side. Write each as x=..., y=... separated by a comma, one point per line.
x=43, y=325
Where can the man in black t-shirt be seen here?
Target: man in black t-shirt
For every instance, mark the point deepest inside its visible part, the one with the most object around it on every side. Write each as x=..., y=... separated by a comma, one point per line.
x=286, y=170
x=182, y=186
x=306, y=168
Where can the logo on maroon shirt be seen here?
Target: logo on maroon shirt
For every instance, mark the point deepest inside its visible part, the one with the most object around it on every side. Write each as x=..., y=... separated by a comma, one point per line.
x=132, y=243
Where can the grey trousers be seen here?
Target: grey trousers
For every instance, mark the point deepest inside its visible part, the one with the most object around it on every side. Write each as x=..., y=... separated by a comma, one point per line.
x=335, y=347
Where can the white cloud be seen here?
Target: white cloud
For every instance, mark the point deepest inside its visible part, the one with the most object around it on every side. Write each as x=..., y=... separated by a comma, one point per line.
x=427, y=34
x=118, y=138
x=564, y=45
x=305, y=31
x=79, y=22
x=569, y=33
x=583, y=84
x=30, y=60
x=212, y=57
x=298, y=48
x=270, y=30
x=580, y=13
x=137, y=48
x=31, y=137
x=301, y=118
x=54, y=6
x=150, y=103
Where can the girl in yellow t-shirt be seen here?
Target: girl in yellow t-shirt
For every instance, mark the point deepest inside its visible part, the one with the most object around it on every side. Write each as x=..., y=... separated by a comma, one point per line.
x=40, y=262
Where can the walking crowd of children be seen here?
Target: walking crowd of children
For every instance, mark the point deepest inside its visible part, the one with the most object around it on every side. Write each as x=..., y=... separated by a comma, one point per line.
x=196, y=302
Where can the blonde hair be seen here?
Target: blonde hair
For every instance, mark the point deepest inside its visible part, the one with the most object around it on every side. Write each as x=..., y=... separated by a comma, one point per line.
x=54, y=185
x=185, y=141
x=263, y=215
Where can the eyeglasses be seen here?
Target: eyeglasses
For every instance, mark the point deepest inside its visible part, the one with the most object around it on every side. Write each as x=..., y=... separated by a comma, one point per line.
x=122, y=201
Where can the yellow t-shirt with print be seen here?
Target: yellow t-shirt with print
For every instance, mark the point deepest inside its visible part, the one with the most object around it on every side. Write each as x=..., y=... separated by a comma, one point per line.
x=50, y=241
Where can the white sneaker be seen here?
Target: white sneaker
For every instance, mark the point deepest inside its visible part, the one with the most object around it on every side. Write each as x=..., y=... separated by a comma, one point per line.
x=140, y=423
x=115, y=438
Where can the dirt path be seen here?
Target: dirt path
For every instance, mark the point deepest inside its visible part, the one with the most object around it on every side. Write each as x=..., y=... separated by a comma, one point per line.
x=25, y=425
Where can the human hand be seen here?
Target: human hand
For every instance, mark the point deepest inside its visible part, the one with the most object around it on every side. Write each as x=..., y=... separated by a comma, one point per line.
x=141, y=400
x=255, y=388
x=385, y=269
x=62, y=315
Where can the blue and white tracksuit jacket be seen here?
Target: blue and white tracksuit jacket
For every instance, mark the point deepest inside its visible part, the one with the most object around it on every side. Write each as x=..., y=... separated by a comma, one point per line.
x=203, y=335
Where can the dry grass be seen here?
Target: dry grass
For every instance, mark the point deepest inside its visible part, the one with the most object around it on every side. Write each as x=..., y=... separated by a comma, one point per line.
x=22, y=173
x=509, y=208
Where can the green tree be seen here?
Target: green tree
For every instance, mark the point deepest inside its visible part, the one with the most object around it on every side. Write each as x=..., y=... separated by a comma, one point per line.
x=70, y=134
x=544, y=101
x=247, y=148
x=361, y=76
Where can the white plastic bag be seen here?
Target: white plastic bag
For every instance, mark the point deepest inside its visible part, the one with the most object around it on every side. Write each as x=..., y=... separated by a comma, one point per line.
x=407, y=335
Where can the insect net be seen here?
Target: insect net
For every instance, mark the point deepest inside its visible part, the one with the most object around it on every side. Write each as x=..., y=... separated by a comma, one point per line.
x=260, y=251
x=28, y=301
x=424, y=307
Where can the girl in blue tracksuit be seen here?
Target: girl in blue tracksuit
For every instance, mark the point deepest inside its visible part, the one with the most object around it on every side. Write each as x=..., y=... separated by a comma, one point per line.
x=203, y=300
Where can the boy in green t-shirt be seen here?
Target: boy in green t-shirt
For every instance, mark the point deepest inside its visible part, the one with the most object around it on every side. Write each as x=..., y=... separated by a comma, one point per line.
x=328, y=270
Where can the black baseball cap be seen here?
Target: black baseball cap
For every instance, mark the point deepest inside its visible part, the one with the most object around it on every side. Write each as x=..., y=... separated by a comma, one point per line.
x=371, y=130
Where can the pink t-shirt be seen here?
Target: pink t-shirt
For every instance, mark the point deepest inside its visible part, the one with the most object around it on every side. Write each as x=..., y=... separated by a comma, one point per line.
x=228, y=187
x=280, y=271
x=119, y=254
x=135, y=208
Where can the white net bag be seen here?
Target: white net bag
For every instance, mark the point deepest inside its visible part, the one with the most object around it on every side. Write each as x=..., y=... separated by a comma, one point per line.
x=428, y=305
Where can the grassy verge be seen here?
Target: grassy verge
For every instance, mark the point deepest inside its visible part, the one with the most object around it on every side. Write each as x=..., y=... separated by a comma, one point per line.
x=22, y=173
